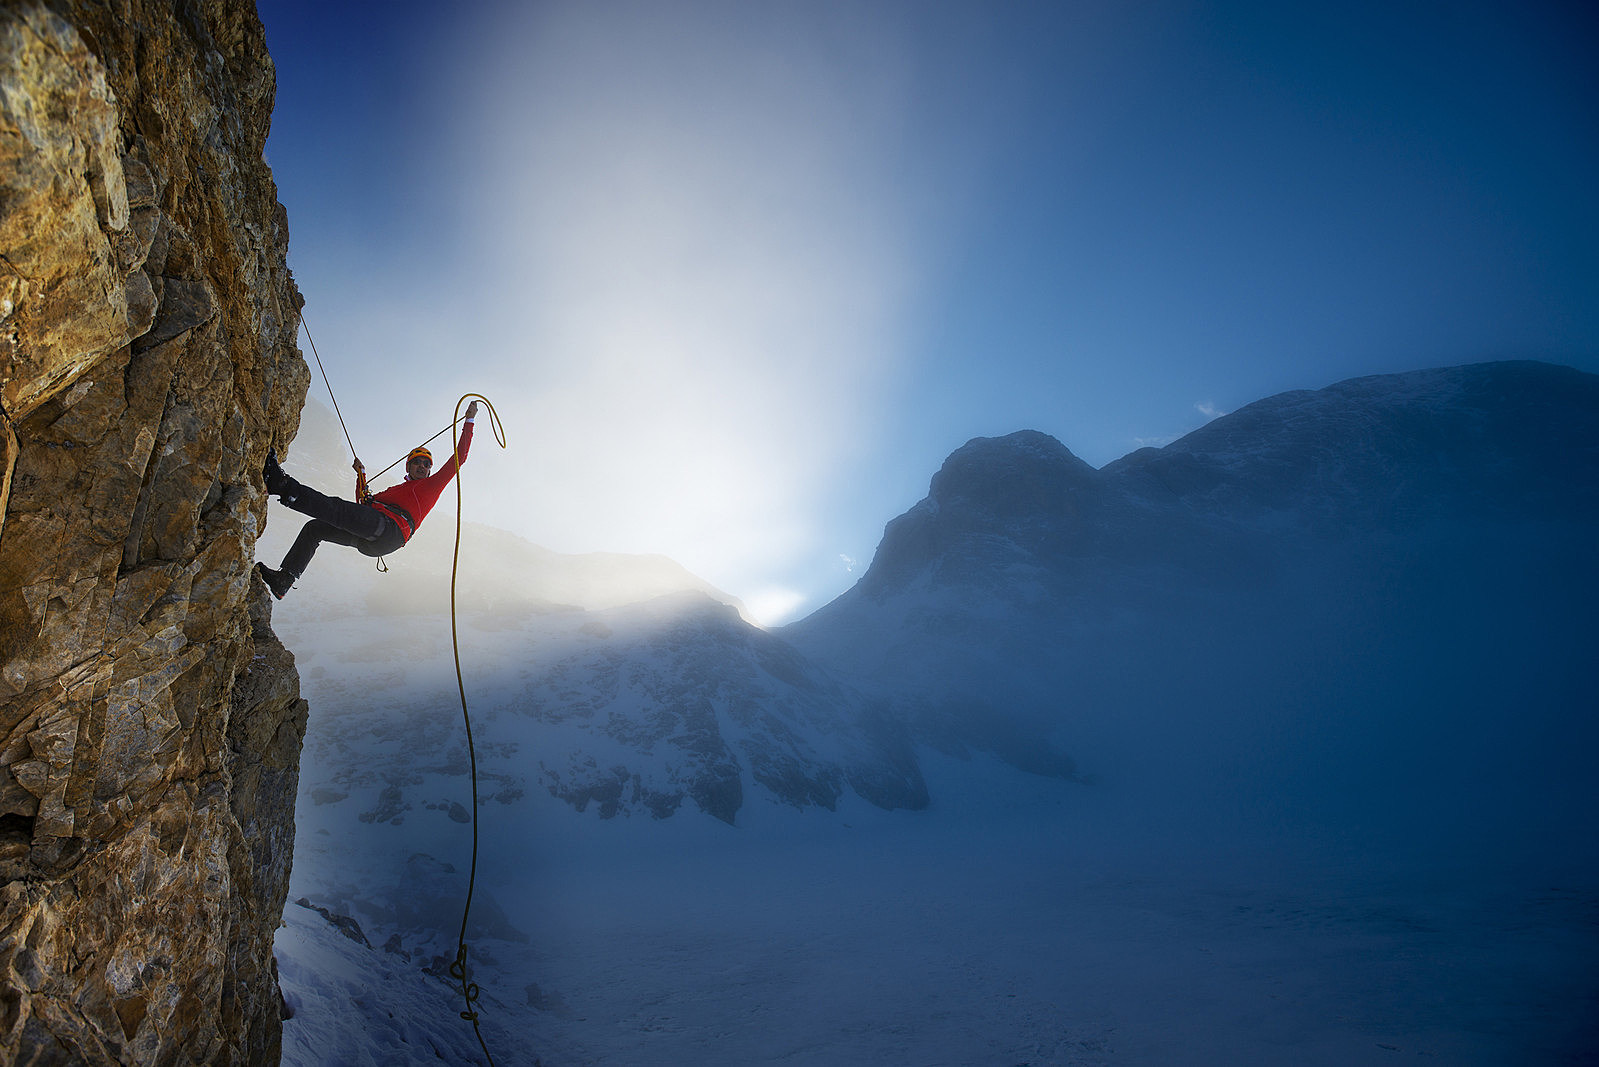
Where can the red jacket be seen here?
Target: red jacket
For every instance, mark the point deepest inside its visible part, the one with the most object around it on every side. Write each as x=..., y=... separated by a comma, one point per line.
x=417, y=496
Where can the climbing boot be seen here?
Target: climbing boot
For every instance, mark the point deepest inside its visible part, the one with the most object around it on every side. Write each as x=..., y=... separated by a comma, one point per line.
x=279, y=582
x=276, y=481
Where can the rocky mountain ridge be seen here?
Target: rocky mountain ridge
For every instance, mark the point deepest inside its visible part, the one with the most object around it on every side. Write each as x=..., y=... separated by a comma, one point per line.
x=1508, y=439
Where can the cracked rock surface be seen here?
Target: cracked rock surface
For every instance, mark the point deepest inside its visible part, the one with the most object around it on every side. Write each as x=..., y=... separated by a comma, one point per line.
x=150, y=722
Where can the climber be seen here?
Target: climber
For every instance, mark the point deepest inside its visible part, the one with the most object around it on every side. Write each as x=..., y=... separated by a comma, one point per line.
x=375, y=525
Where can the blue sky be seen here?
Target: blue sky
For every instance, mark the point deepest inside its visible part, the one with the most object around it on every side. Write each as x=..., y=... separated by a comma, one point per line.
x=739, y=275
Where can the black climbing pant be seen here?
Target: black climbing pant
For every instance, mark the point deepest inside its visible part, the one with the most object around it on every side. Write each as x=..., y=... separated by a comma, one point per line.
x=343, y=522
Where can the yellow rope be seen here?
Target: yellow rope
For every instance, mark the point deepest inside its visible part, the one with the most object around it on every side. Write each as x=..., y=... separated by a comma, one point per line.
x=469, y=990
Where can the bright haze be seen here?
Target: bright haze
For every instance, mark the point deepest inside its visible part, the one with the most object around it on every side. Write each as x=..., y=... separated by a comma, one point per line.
x=739, y=276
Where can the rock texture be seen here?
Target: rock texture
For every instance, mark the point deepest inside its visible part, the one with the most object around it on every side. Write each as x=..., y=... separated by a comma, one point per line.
x=150, y=723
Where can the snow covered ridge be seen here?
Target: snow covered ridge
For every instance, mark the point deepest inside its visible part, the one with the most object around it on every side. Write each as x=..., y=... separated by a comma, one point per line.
x=632, y=710
x=1030, y=602
x=694, y=700
x=1485, y=440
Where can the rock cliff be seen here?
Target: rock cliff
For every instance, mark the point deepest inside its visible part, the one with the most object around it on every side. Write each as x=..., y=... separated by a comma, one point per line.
x=150, y=723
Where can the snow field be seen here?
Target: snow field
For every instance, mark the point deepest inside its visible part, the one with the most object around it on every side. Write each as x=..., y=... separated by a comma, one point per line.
x=1023, y=921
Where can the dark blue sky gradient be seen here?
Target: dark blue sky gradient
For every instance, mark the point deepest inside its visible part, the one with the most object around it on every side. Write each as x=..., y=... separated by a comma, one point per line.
x=1254, y=204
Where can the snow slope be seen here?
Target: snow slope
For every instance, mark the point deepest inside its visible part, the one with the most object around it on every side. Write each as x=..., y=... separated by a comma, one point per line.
x=1268, y=747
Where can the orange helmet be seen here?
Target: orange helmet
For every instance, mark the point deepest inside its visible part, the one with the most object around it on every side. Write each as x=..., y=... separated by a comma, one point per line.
x=419, y=453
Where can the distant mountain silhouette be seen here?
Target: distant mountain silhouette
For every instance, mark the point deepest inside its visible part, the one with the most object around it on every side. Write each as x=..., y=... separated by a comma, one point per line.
x=1507, y=441
x=1396, y=572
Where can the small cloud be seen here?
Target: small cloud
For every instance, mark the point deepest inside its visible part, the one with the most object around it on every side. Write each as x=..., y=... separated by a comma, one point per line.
x=1209, y=410
x=1152, y=442
x=849, y=562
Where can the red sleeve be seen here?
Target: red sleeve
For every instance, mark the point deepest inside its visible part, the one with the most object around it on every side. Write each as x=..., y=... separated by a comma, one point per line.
x=464, y=445
x=446, y=471
x=429, y=488
x=419, y=497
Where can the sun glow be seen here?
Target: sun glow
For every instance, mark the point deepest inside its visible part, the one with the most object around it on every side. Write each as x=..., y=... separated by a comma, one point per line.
x=709, y=269
x=773, y=606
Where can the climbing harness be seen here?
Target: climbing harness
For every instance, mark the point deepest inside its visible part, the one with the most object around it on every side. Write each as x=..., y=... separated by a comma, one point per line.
x=458, y=970
x=470, y=992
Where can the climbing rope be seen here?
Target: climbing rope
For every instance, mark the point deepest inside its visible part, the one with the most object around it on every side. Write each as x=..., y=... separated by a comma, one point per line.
x=403, y=458
x=458, y=970
x=329, y=384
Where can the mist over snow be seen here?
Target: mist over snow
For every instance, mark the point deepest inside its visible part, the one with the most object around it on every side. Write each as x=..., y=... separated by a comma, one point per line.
x=1269, y=746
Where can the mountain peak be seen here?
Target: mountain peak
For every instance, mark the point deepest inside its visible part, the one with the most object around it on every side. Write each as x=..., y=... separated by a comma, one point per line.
x=1010, y=472
x=1508, y=438
x=1025, y=488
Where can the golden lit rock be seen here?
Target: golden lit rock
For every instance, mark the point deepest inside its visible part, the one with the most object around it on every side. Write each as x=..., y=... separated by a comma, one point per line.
x=150, y=722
